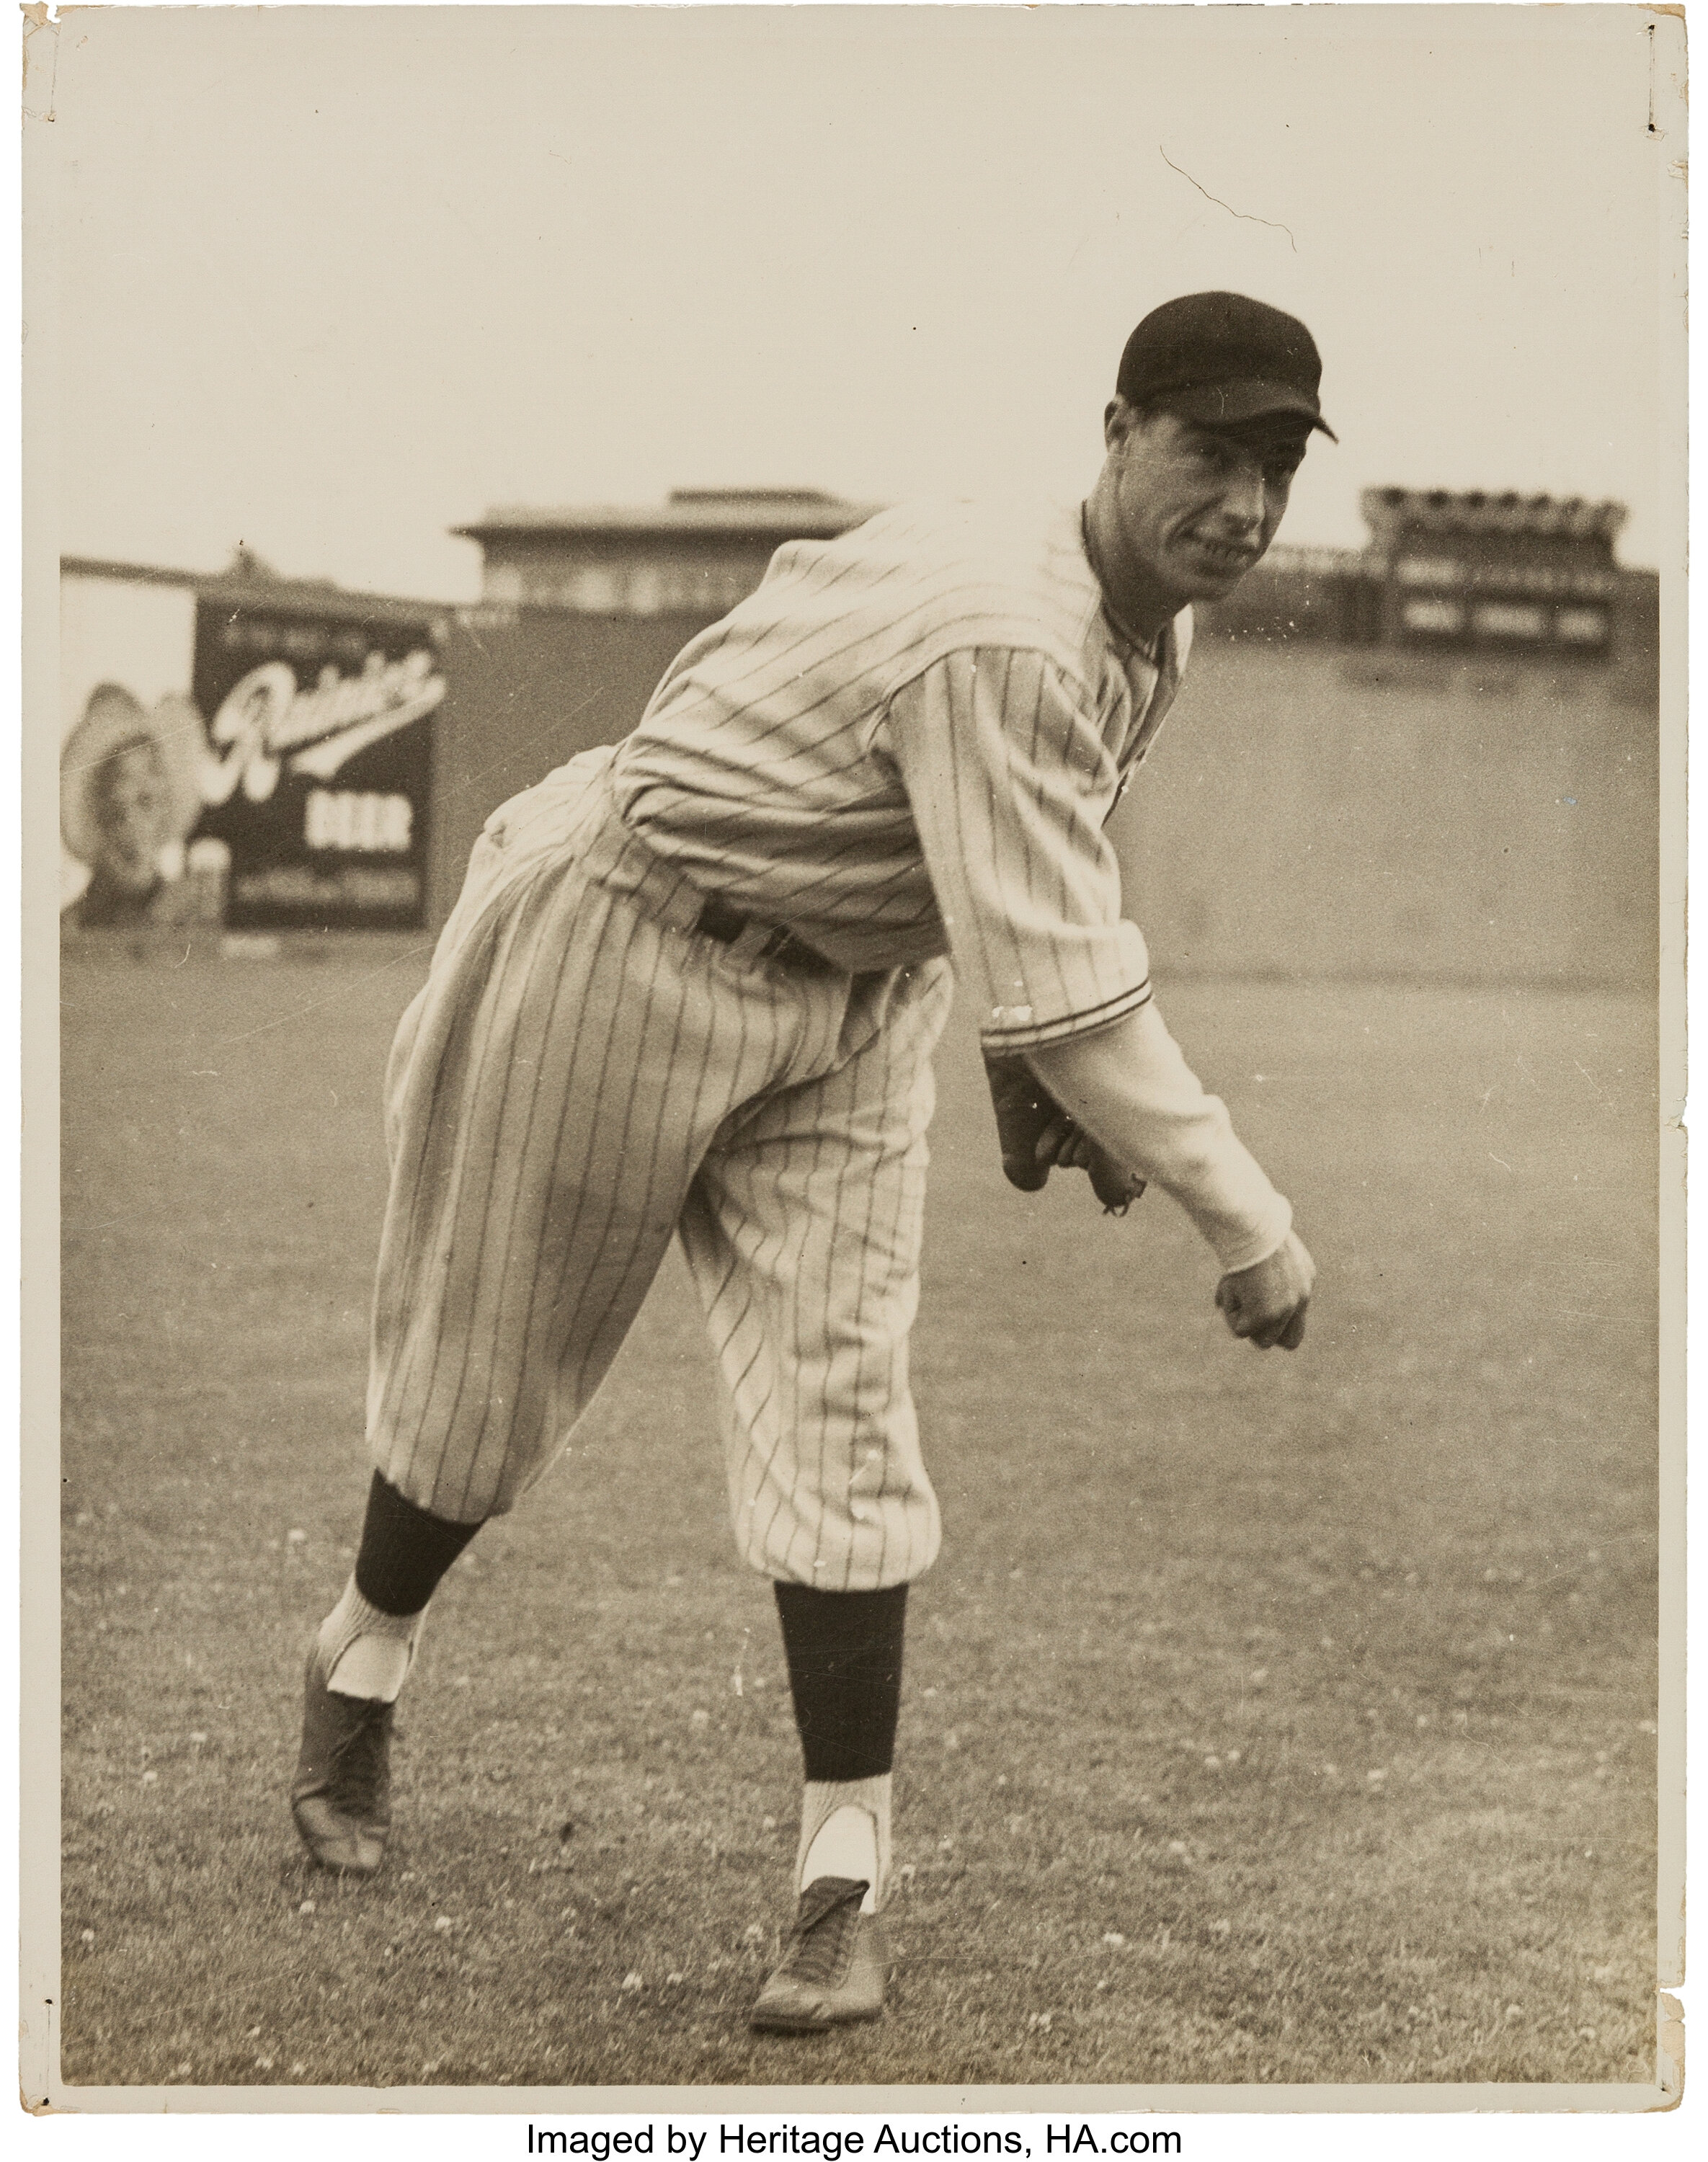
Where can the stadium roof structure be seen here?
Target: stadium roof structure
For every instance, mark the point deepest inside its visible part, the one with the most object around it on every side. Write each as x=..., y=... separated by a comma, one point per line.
x=721, y=513
x=261, y=589
x=1389, y=511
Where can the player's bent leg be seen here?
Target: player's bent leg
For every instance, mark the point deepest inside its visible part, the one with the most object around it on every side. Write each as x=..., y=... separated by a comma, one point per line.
x=550, y=1096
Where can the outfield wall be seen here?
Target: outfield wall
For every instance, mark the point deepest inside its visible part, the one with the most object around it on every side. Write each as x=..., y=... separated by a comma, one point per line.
x=1327, y=810
x=1325, y=801
x=530, y=687
x=1311, y=808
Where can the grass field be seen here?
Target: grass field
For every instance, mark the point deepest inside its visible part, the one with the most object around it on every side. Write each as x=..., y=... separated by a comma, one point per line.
x=1266, y=1720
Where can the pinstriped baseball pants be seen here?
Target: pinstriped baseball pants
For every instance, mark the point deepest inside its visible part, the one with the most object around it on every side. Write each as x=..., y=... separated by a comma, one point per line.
x=584, y=1076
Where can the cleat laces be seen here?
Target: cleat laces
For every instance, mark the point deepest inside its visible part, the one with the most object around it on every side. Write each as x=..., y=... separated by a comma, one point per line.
x=824, y=1932
x=358, y=1781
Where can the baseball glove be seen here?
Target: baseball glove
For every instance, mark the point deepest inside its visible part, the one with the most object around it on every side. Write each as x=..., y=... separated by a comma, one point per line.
x=1037, y=1136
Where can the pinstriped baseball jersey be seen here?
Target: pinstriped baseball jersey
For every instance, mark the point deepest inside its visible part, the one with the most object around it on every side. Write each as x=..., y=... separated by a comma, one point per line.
x=904, y=745
x=906, y=742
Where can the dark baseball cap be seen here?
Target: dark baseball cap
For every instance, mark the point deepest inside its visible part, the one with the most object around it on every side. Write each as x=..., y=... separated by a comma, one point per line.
x=1220, y=359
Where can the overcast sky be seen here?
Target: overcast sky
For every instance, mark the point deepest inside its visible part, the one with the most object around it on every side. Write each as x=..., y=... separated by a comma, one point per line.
x=334, y=280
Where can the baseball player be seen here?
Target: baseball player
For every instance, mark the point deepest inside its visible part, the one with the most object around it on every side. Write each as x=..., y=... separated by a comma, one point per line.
x=691, y=990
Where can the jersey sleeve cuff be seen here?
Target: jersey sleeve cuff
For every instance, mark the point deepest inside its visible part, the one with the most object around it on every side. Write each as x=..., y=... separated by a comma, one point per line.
x=1019, y=1028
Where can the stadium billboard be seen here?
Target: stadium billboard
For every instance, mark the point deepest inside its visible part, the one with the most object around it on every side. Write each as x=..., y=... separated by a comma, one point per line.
x=244, y=750
x=318, y=772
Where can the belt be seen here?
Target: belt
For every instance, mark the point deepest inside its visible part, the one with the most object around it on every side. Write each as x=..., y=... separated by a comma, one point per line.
x=625, y=861
x=717, y=920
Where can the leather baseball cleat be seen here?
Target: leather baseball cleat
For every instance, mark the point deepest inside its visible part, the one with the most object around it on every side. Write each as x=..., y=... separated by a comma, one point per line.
x=835, y=1970
x=341, y=1797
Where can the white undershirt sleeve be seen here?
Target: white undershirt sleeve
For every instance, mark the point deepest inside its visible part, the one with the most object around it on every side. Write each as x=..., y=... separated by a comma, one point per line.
x=1131, y=1089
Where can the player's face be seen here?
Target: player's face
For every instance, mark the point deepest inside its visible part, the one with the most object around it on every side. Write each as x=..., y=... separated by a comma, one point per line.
x=1196, y=508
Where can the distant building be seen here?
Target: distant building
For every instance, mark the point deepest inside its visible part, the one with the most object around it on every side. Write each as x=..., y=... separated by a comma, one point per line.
x=701, y=551
x=1461, y=572
x=1495, y=570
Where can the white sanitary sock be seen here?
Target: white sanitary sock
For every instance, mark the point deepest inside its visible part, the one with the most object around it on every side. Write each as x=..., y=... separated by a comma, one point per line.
x=845, y=1832
x=366, y=1652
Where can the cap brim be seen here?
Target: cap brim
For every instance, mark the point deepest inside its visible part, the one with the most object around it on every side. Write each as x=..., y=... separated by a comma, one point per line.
x=1229, y=404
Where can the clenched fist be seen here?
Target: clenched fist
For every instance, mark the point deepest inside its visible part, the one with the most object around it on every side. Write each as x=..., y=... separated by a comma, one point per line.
x=1265, y=1303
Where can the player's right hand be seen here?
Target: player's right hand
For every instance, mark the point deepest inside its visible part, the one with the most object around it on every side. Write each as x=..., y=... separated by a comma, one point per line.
x=1265, y=1303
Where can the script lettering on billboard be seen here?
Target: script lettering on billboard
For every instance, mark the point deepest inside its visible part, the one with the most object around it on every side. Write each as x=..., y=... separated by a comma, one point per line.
x=265, y=716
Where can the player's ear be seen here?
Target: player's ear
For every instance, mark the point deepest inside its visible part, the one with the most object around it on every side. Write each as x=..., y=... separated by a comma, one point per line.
x=1118, y=419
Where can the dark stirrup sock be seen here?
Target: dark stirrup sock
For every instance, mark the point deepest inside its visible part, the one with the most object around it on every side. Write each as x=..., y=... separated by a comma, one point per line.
x=844, y=1653
x=403, y=1551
